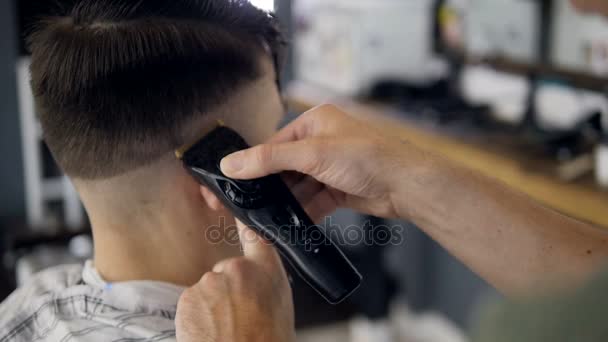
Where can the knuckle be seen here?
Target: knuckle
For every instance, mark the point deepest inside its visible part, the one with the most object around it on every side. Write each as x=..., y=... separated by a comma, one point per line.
x=321, y=111
x=190, y=297
x=314, y=161
x=237, y=267
x=187, y=296
x=328, y=118
x=331, y=112
x=212, y=281
x=326, y=108
x=314, y=112
x=264, y=154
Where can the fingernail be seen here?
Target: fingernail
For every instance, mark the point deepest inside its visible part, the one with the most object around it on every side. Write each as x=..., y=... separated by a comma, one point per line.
x=232, y=163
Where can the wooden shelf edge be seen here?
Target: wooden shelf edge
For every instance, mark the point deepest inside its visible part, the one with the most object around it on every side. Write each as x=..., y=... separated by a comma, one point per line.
x=584, y=203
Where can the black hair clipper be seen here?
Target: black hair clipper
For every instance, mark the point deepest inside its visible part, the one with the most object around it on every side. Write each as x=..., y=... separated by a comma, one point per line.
x=268, y=206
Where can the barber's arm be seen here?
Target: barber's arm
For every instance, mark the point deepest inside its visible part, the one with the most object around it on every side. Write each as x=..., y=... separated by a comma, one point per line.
x=507, y=238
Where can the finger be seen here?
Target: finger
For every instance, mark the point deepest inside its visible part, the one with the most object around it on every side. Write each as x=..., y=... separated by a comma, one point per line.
x=303, y=156
x=300, y=128
x=292, y=178
x=314, y=196
x=213, y=289
x=257, y=249
x=212, y=281
x=321, y=206
x=221, y=266
x=235, y=263
x=306, y=189
x=212, y=201
x=295, y=130
x=308, y=124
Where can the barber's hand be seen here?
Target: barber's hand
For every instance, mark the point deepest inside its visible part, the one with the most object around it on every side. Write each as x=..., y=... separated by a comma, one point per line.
x=243, y=299
x=349, y=163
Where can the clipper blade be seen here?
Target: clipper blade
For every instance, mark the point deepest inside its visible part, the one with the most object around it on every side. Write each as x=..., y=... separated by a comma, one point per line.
x=179, y=153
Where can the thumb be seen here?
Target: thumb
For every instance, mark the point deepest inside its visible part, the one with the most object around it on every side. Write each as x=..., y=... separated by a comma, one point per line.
x=257, y=249
x=304, y=156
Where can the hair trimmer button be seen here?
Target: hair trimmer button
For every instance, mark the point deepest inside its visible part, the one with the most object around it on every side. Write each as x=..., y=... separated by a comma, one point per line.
x=240, y=198
x=231, y=194
x=250, y=187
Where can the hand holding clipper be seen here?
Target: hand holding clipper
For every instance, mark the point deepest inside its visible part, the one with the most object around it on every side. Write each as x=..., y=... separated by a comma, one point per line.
x=268, y=206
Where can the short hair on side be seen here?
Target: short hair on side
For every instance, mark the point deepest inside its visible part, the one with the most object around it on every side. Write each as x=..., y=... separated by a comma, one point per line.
x=116, y=82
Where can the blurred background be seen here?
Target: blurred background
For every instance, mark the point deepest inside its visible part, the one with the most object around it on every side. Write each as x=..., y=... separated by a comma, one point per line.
x=515, y=89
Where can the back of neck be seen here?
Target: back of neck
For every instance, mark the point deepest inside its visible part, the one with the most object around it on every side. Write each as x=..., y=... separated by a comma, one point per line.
x=173, y=250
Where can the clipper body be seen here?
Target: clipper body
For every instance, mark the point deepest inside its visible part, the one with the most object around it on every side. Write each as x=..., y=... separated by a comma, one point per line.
x=268, y=206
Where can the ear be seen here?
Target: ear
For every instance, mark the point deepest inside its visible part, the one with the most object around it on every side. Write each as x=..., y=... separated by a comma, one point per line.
x=212, y=201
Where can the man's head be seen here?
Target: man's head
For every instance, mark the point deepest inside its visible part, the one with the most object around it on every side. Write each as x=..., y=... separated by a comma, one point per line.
x=119, y=84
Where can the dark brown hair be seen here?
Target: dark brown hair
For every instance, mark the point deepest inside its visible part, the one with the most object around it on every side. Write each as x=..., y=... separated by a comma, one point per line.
x=116, y=82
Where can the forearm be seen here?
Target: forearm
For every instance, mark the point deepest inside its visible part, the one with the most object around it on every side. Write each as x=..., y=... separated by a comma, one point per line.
x=507, y=238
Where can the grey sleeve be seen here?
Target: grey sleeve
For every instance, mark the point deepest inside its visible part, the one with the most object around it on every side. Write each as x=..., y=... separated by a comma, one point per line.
x=580, y=315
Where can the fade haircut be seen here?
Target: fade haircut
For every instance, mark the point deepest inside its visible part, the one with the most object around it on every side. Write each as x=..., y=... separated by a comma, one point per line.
x=116, y=82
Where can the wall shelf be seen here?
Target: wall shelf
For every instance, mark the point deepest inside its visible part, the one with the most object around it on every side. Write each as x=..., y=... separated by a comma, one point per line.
x=583, y=199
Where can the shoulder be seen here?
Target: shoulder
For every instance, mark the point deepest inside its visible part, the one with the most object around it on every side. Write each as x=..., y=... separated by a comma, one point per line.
x=24, y=303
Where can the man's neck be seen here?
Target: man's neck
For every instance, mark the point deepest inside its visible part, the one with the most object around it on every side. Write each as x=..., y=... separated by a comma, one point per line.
x=172, y=250
x=153, y=224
